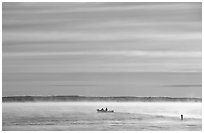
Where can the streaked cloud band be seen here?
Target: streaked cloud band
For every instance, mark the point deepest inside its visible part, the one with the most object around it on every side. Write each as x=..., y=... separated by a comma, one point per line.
x=186, y=54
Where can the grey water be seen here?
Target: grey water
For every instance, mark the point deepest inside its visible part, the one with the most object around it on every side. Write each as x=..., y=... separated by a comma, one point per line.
x=82, y=116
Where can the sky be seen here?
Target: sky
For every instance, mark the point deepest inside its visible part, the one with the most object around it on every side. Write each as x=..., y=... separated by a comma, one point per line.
x=99, y=37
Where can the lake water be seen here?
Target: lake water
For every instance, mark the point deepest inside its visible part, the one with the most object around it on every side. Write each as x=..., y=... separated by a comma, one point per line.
x=82, y=116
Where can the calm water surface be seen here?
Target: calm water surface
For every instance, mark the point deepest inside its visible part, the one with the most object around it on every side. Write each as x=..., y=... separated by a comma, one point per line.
x=83, y=116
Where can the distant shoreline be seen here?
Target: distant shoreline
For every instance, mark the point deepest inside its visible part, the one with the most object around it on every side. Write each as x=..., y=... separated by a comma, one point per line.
x=97, y=99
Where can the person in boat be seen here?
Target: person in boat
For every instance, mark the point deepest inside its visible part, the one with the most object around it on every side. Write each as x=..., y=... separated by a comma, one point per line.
x=102, y=109
x=106, y=109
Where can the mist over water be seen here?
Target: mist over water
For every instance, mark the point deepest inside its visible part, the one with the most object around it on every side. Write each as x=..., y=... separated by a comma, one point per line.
x=83, y=116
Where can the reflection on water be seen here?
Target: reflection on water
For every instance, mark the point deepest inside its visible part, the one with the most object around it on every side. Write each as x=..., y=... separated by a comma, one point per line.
x=83, y=116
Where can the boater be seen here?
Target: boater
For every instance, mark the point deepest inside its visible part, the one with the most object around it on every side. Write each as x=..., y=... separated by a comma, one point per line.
x=106, y=109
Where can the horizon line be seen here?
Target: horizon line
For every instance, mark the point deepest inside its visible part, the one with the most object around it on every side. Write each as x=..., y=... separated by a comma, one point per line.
x=94, y=96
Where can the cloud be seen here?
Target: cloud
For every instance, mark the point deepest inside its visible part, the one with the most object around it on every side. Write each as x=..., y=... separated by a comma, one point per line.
x=151, y=54
x=185, y=85
x=125, y=34
x=96, y=36
x=45, y=44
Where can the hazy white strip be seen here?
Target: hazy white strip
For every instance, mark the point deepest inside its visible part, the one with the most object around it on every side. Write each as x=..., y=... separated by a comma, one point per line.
x=97, y=36
x=135, y=22
x=189, y=54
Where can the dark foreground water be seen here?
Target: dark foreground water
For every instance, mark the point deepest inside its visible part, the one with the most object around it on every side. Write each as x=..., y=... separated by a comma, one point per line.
x=83, y=116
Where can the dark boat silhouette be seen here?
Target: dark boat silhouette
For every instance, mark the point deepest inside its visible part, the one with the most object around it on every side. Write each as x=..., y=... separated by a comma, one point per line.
x=104, y=111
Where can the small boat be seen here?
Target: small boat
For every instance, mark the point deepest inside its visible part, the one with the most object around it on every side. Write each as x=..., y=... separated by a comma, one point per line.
x=104, y=111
